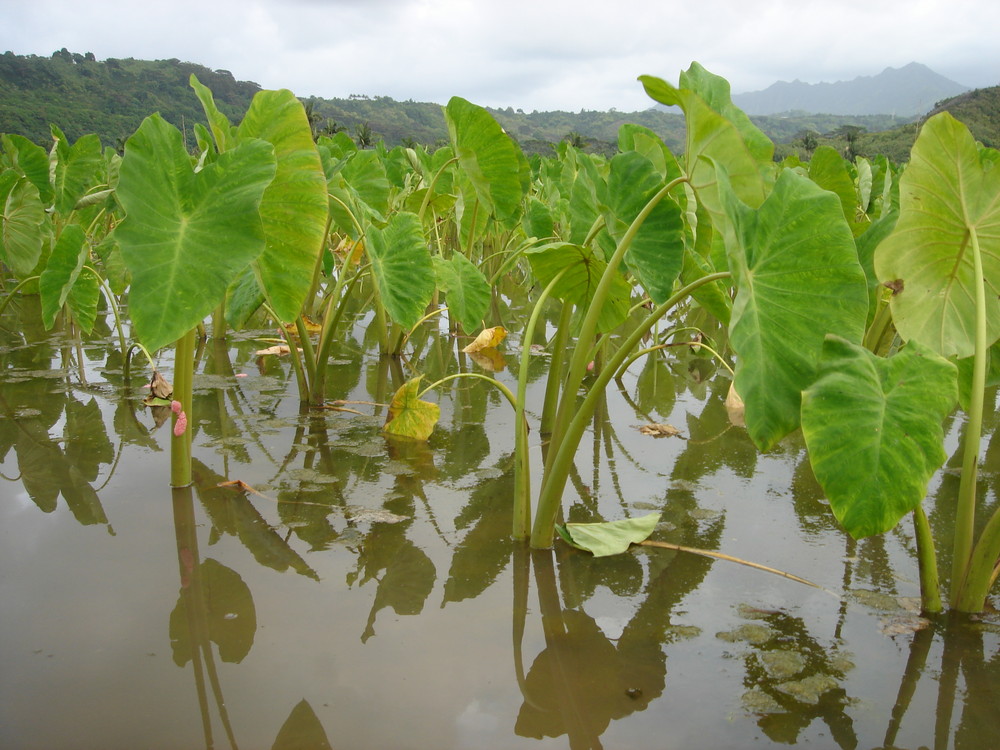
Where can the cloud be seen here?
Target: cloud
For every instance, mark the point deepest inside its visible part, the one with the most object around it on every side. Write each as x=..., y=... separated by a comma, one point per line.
x=531, y=54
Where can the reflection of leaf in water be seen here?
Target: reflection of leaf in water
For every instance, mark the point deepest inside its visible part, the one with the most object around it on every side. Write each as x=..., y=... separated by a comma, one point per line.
x=485, y=549
x=230, y=614
x=302, y=730
x=233, y=513
x=87, y=443
x=576, y=686
x=130, y=430
x=409, y=574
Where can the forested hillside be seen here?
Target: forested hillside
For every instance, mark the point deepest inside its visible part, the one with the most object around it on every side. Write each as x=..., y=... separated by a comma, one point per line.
x=111, y=97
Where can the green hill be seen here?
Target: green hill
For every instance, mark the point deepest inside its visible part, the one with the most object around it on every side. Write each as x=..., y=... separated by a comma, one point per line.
x=111, y=97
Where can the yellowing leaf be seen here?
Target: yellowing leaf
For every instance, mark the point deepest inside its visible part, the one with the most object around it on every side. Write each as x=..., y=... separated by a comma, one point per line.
x=490, y=360
x=310, y=325
x=350, y=251
x=735, y=407
x=487, y=339
x=409, y=416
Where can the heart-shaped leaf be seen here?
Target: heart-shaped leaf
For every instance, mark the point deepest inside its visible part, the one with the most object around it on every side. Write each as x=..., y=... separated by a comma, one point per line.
x=402, y=267
x=294, y=207
x=949, y=191
x=409, y=416
x=187, y=235
x=798, y=278
x=873, y=427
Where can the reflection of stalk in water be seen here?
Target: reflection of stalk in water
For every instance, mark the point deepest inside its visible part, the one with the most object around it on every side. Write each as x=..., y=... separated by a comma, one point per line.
x=915, y=663
x=185, y=531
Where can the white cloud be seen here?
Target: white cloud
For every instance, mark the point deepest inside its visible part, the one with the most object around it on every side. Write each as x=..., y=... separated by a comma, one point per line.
x=532, y=54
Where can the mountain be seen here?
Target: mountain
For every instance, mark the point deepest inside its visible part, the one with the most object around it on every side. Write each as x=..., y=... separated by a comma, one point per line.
x=904, y=92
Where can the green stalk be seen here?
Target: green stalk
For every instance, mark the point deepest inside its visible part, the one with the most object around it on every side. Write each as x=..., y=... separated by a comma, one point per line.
x=331, y=320
x=965, y=516
x=930, y=590
x=557, y=472
x=522, y=464
x=556, y=365
x=114, y=309
x=180, y=445
x=578, y=363
x=982, y=567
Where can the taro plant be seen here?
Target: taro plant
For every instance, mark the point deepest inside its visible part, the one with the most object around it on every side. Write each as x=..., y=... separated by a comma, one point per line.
x=873, y=425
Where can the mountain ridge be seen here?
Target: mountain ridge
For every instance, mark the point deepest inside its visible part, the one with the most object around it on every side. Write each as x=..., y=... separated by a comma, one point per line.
x=909, y=91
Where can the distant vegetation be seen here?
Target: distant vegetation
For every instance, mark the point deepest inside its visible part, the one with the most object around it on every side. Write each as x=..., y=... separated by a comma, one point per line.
x=111, y=97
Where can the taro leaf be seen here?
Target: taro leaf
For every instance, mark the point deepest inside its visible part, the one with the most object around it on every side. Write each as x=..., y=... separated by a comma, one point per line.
x=798, y=278
x=490, y=158
x=294, y=207
x=222, y=130
x=74, y=168
x=948, y=192
x=716, y=93
x=468, y=292
x=408, y=416
x=362, y=184
x=828, y=169
x=229, y=611
x=538, y=219
x=34, y=163
x=711, y=135
x=873, y=429
x=186, y=235
x=579, y=283
x=402, y=268
x=243, y=298
x=23, y=216
x=609, y=538
x=302, y=730
x=61, y=272
x=867, y=244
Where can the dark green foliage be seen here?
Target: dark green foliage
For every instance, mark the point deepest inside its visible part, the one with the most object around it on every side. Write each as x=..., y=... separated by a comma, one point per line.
x=109, y=97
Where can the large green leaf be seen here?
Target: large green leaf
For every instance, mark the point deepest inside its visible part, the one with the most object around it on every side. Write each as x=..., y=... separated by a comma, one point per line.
x=33, y=162
x=873, y=429
x=828, y=169
x=186, y=235
x=23, y=216
x=949, y=191
x=61, y=272
x=74, y=168
x=715, y=91
x=489, y=157
x=294, y=207
x=711, y=135
x=467, y=289
x=584, y=268
x=402, y=267
x=609, y=538
x=798, y=278
x=656, y=253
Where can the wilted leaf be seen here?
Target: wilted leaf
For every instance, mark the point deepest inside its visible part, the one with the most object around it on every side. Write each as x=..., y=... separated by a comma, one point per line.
x=409, y=416
x=658, y=429
x=609, y=538
x=311, y=326
x=488, y=338
x=735, y=407
x=159, y=387
x=279, y=349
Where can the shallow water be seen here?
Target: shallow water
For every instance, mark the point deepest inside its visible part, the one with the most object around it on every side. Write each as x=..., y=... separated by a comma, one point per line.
x=365, y=592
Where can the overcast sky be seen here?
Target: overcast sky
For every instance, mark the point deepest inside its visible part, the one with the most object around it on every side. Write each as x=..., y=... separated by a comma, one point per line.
x=528, y=54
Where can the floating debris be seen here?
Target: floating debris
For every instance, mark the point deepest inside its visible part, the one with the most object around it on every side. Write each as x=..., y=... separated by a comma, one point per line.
x=782, y=664
x=756, y=701
x=808, y=689
x=902, y=624
x=750, y=632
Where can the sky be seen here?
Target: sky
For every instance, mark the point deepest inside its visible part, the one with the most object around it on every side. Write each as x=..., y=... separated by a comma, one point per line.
x=526, y=54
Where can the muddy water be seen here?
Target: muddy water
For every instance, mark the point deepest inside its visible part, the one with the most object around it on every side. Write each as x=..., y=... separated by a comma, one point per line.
x=361, y=592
